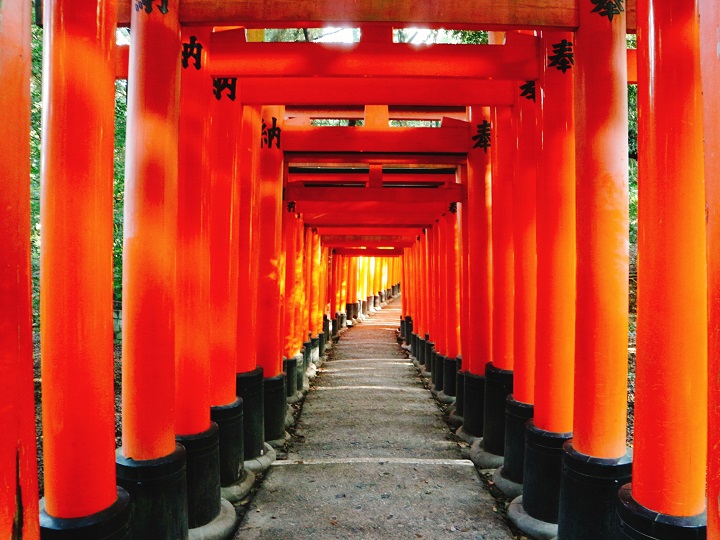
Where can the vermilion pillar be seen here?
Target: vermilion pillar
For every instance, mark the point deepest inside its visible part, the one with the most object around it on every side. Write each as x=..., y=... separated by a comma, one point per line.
x=268, y=343
x=668, y=483
x=438, y=240
x=224, y=201
x=76, y=268
x=18, y=465
x=595, y=460
x=193, y=426
x=291, y=284
x=552, y=423
x=499, y=372
x=249, y=376
x=476, y=353
x=519, y=406
x=150, y=229
x=709, y=41
x=452, y=308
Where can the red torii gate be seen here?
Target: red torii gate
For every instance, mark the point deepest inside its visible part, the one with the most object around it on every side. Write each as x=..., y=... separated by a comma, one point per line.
x=673, y=296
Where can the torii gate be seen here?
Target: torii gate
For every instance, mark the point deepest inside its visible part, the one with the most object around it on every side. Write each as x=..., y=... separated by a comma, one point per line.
x=673, y=213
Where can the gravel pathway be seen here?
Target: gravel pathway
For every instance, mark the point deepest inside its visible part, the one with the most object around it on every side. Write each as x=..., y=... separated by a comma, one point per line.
x=372, y=456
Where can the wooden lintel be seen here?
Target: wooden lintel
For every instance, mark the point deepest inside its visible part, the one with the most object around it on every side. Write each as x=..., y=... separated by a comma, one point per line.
x=391, y=195
x=232, y=58
x=367, y=241
x=330, y=216
x=361, y=230
x=484, y=14
x=370, y=252
x=443, y=140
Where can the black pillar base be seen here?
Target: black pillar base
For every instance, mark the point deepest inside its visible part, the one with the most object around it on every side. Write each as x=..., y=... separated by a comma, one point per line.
x=363, y=307
x=516, y=416
x=334, y=327
x=542, y=472
x=203, y=475
x=420, y=350
x=275, y=407
x=589, y=494
x=158, y=494
x=355, y=310
x=326, y=328
x=638, y=522
x=474, y=406
x=113, y=523
x=348, y=312
x=249, y=387
x=321, y=345
x=315, y=350
x=449, y=376
x=498, y=386
x=290, y=368
x=429, y=357
x=455, y=416
x=408, y=329
x=438, y=373
x=376, y=301
x=229, y=419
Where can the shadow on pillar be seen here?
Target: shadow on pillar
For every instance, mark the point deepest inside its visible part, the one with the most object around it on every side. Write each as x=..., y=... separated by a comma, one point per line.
x=113, y=523
x=589, y=494
x=158, y=494
x=473, y=408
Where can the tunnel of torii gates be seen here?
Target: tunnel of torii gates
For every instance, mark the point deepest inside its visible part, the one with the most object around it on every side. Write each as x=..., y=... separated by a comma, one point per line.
x=251, y=234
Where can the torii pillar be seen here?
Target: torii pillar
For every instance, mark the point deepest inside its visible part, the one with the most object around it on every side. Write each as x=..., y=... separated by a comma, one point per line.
x=551, y=425
x=710, y=44
x=227, y=407
x=150, y=225
x=596, y=461
x=476, y=352
x=18, y=463
x=667, y=496
x=519, y=405
x=76, y=217
x=268, y=341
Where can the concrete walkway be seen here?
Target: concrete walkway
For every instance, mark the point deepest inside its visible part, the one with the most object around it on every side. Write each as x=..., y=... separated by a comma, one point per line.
x=372, y=457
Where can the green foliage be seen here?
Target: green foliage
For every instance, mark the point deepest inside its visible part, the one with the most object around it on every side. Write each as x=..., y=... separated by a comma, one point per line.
x=471, y=37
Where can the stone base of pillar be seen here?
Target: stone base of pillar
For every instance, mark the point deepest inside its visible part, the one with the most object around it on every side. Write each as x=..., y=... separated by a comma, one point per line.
x=438, y=373
x=249, y=387
x=262, y=462
x=542, y=472
x=498, y=386
x=427, y=355
x=299, y=365
x=158, y=494
x=290, y=367
x=239, y=490
x=482, y=458
x=275, y=408
x=307, y=362
x=203, y=475
x=516, y=416
x=638, y=522
x=315, y=350
x=334, y=328
x=589, y=494
x=450, y=377
x=376, y=301
x=289, y=417
x=229, y=419
x=408, y=329
x=473, y=408
x=220, y=528
x=535, y=528
x=511, y=489
x=113, y=523
x=455, y=413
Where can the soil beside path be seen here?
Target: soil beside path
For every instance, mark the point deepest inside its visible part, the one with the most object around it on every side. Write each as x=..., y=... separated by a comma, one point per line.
x=372, y=457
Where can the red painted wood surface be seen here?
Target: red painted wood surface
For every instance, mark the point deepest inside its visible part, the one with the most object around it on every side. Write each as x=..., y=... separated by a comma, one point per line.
x=76, y=258
x=671, y=367
x=555, y=339
x=150, y=221
x=601, y=337
x=18, y=465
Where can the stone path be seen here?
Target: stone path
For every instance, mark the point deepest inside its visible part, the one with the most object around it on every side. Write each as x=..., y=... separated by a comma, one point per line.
x=372, y=457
